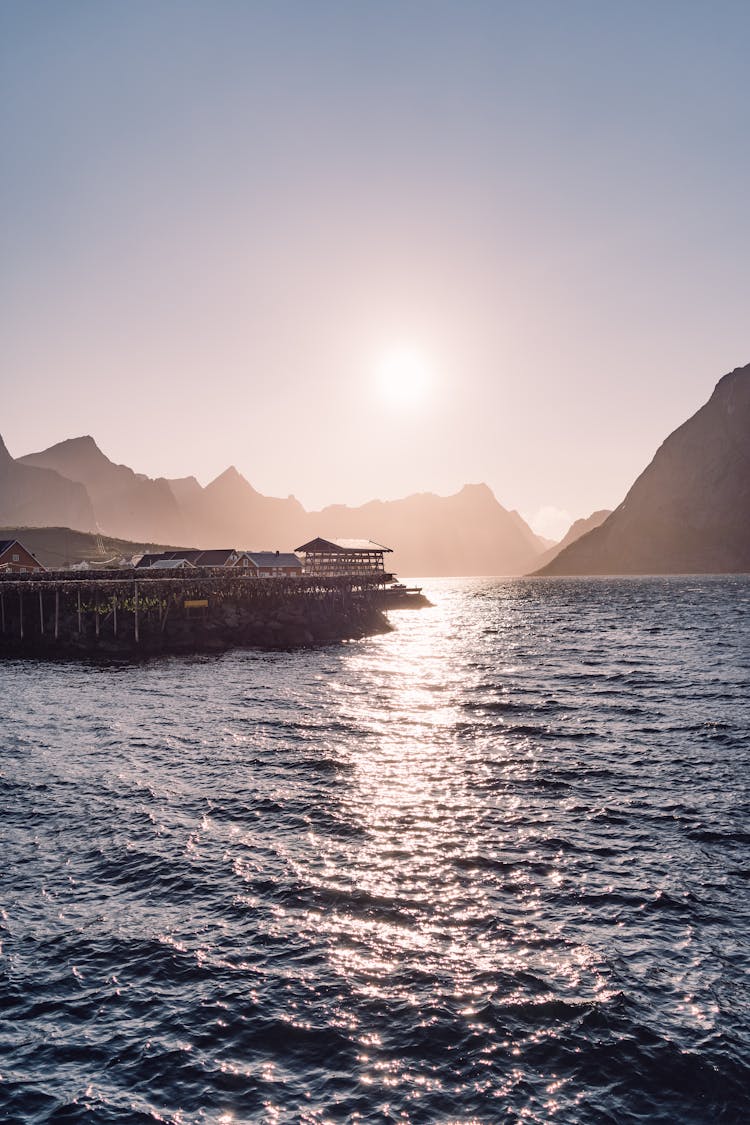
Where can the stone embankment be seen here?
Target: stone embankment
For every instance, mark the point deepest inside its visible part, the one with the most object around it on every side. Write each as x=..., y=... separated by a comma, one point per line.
x=121, y=615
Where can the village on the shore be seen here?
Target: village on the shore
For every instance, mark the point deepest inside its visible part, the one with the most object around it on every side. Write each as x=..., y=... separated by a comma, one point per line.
x=320, y=557
x=183, y=601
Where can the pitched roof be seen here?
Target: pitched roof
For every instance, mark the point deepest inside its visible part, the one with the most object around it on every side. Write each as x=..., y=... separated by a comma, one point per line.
x=274, y=558
x=333, y=546
x=6, y=544
x=171, y=564
x=197, y=558
x=215, y=558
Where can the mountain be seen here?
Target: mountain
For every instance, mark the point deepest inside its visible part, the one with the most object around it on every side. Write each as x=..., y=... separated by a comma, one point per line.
x=230, y=512
x=38, y=496
x=185, y=490
x=125, y=503
x=575, y=531
x=689, y=511
x=468, y=533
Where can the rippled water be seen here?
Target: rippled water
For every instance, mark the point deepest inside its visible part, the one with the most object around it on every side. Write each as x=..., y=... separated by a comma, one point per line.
x=491, y=867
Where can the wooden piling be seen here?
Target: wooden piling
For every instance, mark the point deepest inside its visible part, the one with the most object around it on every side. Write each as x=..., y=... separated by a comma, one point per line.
x=57, y=614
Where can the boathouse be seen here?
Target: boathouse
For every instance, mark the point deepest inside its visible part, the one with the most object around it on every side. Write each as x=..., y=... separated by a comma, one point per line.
x=329, y=557
x=16, y=559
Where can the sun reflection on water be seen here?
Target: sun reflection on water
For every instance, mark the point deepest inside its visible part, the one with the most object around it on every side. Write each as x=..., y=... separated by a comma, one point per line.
x=418, y=918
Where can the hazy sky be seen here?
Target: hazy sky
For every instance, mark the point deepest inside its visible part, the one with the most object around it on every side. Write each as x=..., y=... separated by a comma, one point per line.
x=217, y=218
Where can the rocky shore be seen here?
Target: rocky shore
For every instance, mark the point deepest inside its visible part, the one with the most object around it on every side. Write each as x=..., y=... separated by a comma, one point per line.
x=116, y=619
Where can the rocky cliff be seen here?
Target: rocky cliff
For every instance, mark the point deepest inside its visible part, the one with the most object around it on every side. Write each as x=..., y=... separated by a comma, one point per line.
x=689, y=511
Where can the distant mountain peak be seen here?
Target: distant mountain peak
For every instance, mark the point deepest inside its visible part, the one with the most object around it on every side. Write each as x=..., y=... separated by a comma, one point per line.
x=230, y=474
x=480, y=490
x=231, y=480
x=83, y=442
x=4, y=454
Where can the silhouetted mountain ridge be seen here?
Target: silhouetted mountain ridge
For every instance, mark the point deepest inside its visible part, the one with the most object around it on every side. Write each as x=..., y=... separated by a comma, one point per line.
x=467, y=533
x=575, y=531
x=689, y=510
x=38, y=496
x=127, y=504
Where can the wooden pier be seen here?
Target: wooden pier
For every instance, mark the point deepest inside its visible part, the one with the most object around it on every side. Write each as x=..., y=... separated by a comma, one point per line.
x=131, y=613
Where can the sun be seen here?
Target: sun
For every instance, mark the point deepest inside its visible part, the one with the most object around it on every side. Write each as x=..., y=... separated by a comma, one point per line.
x=403, y=376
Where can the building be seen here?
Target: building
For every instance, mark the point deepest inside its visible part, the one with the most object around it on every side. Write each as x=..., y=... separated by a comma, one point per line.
x=15, y=559
x=275, y=564
x=226, y=556
x=328, y=557
x=254, y=563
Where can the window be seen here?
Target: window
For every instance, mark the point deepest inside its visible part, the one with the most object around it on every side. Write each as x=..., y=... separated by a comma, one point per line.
x=16, y=558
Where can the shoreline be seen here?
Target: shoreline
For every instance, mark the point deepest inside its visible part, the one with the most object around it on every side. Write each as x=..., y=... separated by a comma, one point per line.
x=110, y=616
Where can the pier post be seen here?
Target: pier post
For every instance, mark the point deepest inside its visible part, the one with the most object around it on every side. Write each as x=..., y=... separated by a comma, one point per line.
x=20, y=613
x=2, y=609
x=57, y=614
x=135, y=599
x=79, y=611
x=114, y=614
x=96, y=615
x=41, y=614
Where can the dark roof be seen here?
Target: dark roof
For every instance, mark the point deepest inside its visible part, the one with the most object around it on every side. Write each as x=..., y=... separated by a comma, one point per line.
x=273, y=558
x=5, y=544
x=212, y=558
x=342, y=546
x=197, y=558
x=165, y=564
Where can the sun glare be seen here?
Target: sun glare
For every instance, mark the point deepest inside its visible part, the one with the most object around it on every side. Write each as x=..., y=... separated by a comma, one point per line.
x=403, y=376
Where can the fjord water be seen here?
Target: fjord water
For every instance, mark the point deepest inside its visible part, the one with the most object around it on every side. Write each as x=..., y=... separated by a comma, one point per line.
x=490, y=867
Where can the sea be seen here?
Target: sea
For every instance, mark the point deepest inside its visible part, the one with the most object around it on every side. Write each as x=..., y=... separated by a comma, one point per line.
x=493, y=866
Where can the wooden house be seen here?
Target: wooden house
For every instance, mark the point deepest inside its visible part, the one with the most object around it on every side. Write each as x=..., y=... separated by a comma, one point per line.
x=16, y=559
x=273, y=564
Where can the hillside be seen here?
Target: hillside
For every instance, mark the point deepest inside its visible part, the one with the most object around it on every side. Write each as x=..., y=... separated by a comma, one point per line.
x=125, y=503
x=689, y=511
x=467, y=533
x=58, y=548
x=575, y=531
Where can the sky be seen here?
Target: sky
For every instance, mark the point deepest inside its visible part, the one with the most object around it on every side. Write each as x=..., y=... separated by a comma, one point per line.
x=366, y=249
